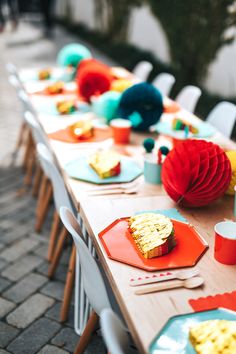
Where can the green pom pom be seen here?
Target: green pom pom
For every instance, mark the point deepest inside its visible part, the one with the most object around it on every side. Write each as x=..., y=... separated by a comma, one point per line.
x=72, y=54
x=106, y=105
x=149, y=144
x=135, y=119
x=164, y=150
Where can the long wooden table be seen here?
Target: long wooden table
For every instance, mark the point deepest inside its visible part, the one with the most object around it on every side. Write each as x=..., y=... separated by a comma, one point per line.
x=145, y=315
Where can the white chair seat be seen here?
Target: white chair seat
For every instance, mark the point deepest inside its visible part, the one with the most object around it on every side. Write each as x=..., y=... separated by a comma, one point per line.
x=142, y=70
x=188, y=97
x=164, y=83
x=223, y=117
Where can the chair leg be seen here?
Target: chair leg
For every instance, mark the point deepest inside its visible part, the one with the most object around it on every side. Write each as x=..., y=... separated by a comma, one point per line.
x=43, y=207
x=29, y=167
x=53, y=234
x=58, y=252
x=29, y=144
x=70, y=278
x=88, y=331
x=37, y=179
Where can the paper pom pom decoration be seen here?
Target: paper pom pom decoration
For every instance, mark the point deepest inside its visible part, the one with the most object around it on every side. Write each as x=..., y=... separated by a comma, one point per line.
x=121, y=85
x=106, y=105
x=232, y=158
x=93, y=79
x=72, y=54
x=149, y=144
x=195, y=173
x=143, y=102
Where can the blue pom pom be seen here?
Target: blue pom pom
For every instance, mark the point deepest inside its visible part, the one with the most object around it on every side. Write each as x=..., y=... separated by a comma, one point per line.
x=72, y=54
x=106, y=105
x=164, y=150
x=144, y=99
x=149, y=144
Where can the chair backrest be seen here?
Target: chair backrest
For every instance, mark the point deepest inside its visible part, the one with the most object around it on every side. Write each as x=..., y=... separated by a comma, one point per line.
x=15, y=82
x=188, y=97
x=25, y=101
x=37, y=131
x=92, y=279
x=223, y=117
x=60, y=194
x=142, y=70
x=12, y=70
x=164, y=83
x=114, y=333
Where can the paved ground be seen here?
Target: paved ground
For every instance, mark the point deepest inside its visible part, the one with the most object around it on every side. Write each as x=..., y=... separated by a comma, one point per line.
x=29, y=302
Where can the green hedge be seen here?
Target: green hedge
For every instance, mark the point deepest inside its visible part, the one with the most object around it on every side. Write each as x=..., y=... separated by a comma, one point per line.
x=128, y=55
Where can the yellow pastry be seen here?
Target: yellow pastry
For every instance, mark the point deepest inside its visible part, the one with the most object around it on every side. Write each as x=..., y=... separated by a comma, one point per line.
x=153, y=233
x=44, y=74
x=66, y=107
x=82, y=130
x=56, y=88
x=105, y=163
x=214, y=337
x=179, y=124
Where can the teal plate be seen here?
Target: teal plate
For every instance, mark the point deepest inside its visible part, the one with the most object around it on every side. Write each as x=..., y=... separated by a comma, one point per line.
x=81, y=170
x=49, y=108
x=173, y=338
x=205, y=130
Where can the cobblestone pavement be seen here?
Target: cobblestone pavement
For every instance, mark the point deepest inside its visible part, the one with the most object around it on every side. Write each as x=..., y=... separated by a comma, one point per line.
x=29, y=302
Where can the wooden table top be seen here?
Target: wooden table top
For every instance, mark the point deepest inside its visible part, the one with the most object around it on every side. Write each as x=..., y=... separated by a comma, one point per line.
x=145, y=315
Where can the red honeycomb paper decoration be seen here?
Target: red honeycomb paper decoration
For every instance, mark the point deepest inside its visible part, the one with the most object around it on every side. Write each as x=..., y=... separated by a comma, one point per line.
x=196, y=173
x=93, y=78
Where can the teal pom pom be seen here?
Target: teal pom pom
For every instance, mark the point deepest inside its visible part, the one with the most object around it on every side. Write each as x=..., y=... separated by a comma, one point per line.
x=72, y=54
x=164, y=150
x=135, y=119
x=149, y=144
x=106, y=105
x=144, y=99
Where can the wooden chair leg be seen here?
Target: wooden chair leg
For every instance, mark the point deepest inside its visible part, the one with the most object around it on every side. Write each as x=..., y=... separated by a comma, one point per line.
x=42, y=191
x=29, y=144
x=37, y=179
x=44, y=205
x=20, y=139
x=29, y=168
x=70, y=278
x=85, y=338
x=53, y=234
x=58, y=251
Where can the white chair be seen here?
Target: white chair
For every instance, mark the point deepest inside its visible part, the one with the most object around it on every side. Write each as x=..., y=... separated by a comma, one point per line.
x=114, y=333
x=11, y=69
x=92, y=279
x=142, y=70
x=164, y=83
x=15, y=82
x=223, y=117
x=188, y=97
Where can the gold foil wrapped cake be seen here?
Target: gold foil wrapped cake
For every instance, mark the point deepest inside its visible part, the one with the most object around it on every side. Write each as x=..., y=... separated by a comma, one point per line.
x=55, y=89
x=105, y=163
x=66, y=107
x=44, y=74
x=153, y=233
x=82, y=130
x=214, y=337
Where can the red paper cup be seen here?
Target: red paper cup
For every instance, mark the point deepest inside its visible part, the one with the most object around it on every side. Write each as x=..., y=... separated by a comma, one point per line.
x=225, y=242
x=121, y=129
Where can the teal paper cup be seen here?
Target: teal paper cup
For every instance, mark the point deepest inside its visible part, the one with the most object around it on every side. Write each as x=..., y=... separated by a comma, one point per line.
x=152, y=170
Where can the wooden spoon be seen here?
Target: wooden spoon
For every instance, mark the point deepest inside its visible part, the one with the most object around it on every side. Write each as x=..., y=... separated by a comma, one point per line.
x=189, y=284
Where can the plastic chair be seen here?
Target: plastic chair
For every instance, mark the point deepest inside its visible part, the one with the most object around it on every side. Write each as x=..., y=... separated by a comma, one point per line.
x=142, y=70
x=164, y=83
x=188, y=97
x=91, y=277
x=223, y=117
x=15, y=82
x=12, y=70
x=114, y=333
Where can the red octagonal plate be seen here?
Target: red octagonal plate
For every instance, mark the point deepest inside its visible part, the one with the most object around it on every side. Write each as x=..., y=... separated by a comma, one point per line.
x=120, y=246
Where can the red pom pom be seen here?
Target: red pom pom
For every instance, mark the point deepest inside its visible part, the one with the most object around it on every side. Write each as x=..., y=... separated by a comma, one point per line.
x=196, y=173
x=93, y=78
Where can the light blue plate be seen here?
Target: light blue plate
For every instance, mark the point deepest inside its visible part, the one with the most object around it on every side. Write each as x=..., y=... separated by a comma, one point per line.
x=205, y=130
x=49, y=108
x=173, y=338
x=80, y=169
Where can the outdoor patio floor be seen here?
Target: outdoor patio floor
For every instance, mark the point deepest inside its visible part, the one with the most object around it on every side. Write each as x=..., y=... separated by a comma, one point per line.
x=29, y=302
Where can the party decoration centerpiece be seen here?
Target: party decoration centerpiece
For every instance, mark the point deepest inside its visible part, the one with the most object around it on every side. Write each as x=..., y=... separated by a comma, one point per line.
x=105, y=163
x=196, y=173
x=142, y=104
x=66, y=107
x=106, y=105
x=82, y=130
x=232, y=158
x=153, y=234
x=120, y=85
x=55, y=88
x=44, y=74
x=72, y=54
x=148, y=145
x=93, y=78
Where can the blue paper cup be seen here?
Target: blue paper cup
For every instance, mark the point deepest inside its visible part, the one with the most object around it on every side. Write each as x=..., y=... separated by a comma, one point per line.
x=152, y=171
